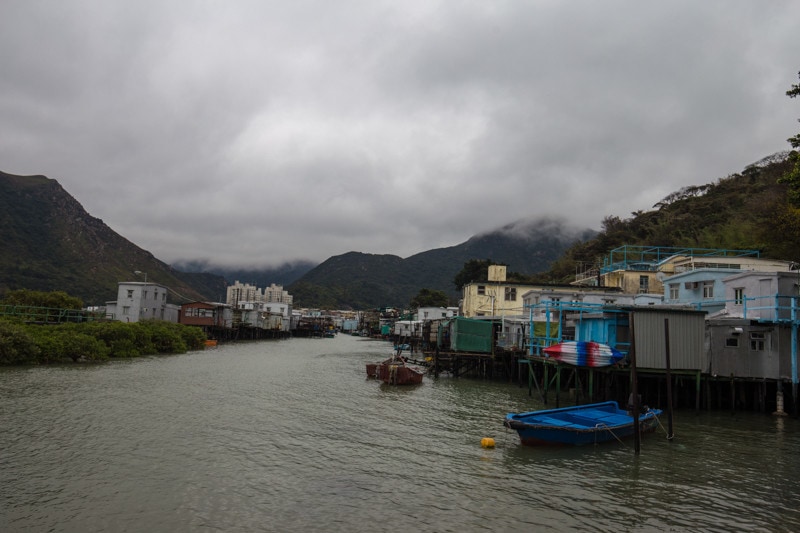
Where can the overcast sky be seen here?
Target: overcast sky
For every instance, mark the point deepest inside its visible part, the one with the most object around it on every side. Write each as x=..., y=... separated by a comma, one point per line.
x=249, y=133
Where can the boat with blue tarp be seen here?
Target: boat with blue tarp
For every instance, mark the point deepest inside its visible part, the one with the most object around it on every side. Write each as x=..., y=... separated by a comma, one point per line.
x=579, y=424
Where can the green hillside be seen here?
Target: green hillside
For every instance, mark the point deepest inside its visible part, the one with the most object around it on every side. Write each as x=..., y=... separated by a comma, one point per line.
x=361, y=281
x=748, y=210
x=50, y=243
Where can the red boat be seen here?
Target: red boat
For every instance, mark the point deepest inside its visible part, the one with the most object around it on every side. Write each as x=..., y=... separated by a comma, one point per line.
x=395, y=371
x=373, y=369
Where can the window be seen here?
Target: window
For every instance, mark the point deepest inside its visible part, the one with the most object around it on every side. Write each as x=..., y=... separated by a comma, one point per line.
x=511, y=294
x=708, y=289
x=130, y=293
x=738, y=296
x=126, y=310
x=644, y=284
x=757, y=341
x=481, y=290
x=144, y=295
x=673, y=291
x=732, y=342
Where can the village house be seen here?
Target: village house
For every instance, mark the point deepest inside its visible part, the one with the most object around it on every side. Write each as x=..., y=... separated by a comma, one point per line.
x=754, y=335
x=730, y=316
x=140, y=300
x=499, y=298
x=270, y=309
x=206, y=315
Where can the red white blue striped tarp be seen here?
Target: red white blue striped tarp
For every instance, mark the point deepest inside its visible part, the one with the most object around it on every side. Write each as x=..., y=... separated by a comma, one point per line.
x=582, y=353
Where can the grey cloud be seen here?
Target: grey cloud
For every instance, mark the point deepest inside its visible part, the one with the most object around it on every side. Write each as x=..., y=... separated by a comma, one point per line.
x=254, y=133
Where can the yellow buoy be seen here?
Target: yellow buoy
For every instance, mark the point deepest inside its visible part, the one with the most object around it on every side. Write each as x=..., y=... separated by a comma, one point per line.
x=487, y=442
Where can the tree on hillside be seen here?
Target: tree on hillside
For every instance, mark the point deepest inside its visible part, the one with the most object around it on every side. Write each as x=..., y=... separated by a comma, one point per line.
x=792, y=177
x=429, y=298
x=474, y=270
x=54, y=299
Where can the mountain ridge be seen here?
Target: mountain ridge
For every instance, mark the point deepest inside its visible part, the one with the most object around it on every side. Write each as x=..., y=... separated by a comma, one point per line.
x=49, y=242
x=527, y=246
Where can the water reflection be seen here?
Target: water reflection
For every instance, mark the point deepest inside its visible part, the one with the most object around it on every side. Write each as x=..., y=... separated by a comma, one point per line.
x=291, y=436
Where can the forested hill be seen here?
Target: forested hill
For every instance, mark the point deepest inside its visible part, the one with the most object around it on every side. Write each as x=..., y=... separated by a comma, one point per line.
x=749, y=210
x=50, y=243
x=360, y=281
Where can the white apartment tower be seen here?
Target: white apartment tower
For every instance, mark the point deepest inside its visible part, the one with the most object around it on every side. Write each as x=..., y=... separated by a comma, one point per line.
x=275, y=293
x=242, y=292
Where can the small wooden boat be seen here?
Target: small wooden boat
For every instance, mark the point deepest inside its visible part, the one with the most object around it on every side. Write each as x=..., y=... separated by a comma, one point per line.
x=583, y=353
x=395, y=371
x=373, y=369
x=579, y=424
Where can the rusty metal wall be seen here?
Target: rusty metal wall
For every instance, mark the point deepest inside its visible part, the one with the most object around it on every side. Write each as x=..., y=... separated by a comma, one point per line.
x=686, y=339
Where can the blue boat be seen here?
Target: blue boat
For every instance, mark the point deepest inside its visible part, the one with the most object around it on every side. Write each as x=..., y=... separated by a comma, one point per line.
x=579, y=424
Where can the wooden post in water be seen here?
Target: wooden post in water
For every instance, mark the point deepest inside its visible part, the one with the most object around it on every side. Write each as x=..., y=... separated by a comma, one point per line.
x=697, y=383
x=546, y=380
x=531, y=377
x=634, y=401
x=532, y=380
x=670, y=434
x=558, y=385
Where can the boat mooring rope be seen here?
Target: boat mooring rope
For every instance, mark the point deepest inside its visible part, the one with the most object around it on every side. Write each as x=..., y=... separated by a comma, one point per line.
x=669, y=437
x=604, y=426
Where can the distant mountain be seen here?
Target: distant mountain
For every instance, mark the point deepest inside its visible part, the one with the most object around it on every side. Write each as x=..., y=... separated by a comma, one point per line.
x=281, y=275
x=361, y=281
x=50, y=243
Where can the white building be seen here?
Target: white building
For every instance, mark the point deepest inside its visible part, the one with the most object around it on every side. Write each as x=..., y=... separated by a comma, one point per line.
x=275, y=293
x=137, y=300
x=242, y=292
x=436, y=313
x=271, y=309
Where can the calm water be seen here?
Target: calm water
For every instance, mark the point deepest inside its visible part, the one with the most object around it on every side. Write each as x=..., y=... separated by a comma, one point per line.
x=290, y=436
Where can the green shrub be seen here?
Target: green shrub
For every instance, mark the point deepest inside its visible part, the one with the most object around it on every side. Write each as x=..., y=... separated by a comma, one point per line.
x=17, y=347
x=123, y=340
x=94, y=341
x=61, y=344
x=194, y=337
x=164, y=336
x=54, y=299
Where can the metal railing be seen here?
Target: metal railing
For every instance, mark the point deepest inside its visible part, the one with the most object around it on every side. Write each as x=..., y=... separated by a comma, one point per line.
x=49, y=315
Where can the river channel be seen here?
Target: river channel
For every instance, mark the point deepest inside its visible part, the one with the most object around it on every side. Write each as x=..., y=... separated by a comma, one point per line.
x=291, y=436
